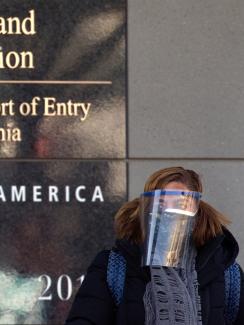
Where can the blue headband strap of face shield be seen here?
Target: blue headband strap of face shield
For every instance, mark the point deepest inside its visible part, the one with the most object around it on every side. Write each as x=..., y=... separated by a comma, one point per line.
x=196, y=195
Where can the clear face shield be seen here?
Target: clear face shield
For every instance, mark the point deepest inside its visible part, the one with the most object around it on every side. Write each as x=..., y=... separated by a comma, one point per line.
x=167, y=221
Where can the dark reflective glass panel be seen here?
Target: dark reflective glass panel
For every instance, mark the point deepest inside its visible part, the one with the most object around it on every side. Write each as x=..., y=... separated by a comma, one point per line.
x=74, y=41
x=55, y=216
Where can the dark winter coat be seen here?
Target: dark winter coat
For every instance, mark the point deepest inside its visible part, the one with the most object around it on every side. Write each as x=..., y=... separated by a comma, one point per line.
x=93, y=304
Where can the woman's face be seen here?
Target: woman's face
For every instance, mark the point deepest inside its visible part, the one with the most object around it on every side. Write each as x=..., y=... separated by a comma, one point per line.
x=184, y=202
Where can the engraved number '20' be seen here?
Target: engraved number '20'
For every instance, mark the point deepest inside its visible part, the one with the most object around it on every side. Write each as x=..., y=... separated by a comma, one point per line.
x=60, y=283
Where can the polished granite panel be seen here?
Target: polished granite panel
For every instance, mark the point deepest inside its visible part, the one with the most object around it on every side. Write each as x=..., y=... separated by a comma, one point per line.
x=74, y=41
x=46, y=246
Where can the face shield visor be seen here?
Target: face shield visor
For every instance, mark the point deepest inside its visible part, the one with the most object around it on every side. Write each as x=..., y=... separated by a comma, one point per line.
x=167, y=221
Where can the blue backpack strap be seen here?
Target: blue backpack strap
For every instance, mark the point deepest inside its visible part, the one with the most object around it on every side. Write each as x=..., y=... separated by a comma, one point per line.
x=232, y=292
x=116, y=270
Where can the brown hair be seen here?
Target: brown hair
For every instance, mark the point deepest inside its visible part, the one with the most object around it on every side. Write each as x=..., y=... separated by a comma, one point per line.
x=210, y=222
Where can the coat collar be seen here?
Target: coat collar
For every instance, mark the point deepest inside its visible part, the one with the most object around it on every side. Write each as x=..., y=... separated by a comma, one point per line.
x=225, y=243
x=212, y=258
x=216, y=256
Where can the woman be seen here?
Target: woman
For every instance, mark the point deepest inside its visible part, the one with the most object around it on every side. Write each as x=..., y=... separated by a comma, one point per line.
x=196, y=292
